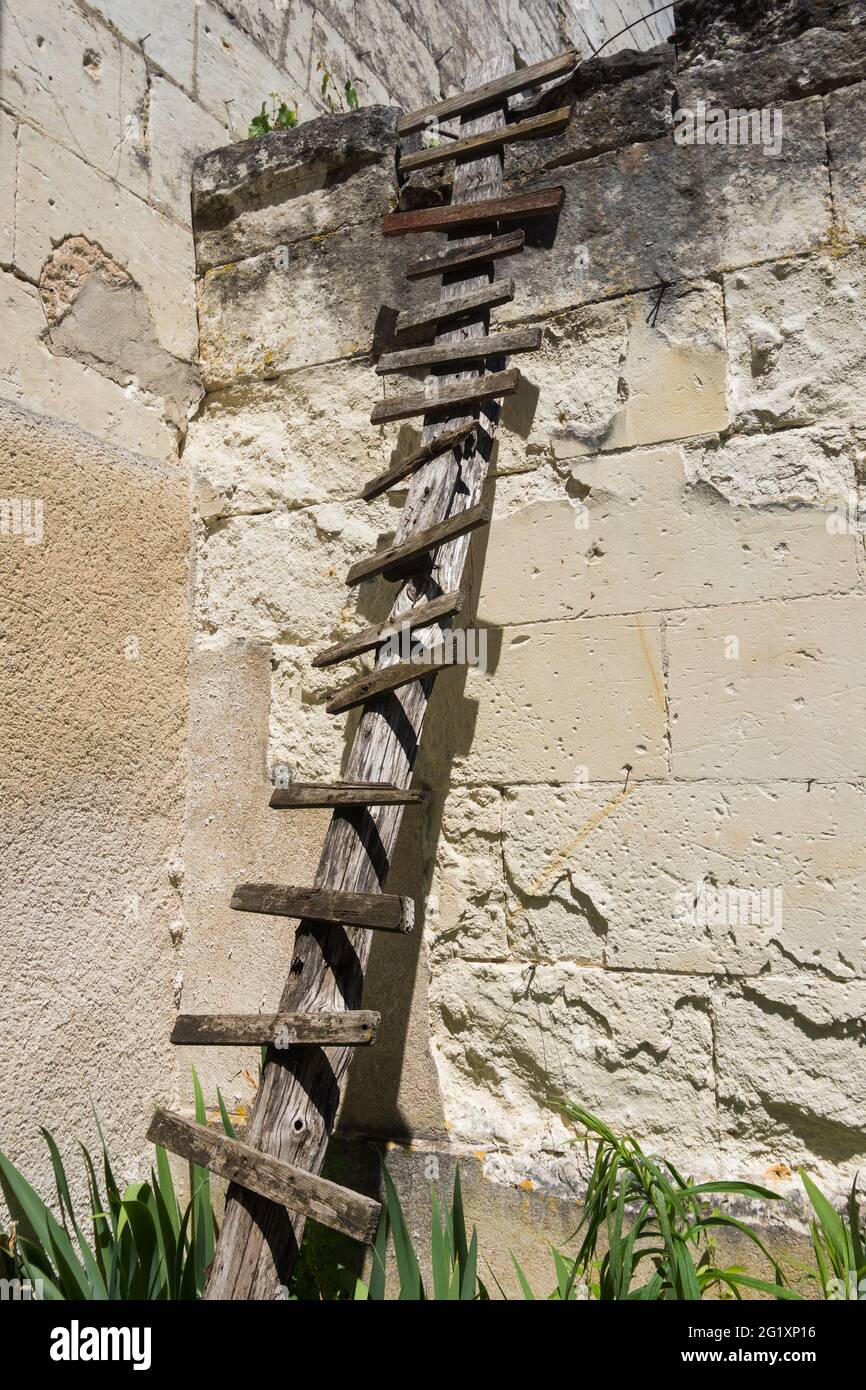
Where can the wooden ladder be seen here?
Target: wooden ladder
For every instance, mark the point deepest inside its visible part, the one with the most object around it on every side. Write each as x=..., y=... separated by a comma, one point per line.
x=274, y=1176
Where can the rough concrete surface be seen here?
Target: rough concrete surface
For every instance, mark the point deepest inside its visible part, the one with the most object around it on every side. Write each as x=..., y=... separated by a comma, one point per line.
x=94, y=660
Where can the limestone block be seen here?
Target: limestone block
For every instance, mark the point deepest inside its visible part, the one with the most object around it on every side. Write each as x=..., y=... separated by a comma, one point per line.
x=231, y=68
x=815, y=467
x=279, y=188
x=329, y=54
x=601, y=23
x=527, y=30
x=792, y=1085
x=445, y=31
x=815, y=61
x=95, y=313
x=280, y=576
x=629, y=218
x=264, y=21
x=525, y=731
x=62, y=195
x=312, y=744
x=465, y=914
x=607, y=113
x=650, y=530
x=635, y=1049
x=657, y=877
x=170, y=31
x=303, y=439
x=178, y=131
x=797, y=341
x=399, y=42
x=8, y=178
x=606, y=378
x=80, y=84
x=235, y=961
x=846, y=111
x=791, y=702
x=276, y=312
x=32, y=376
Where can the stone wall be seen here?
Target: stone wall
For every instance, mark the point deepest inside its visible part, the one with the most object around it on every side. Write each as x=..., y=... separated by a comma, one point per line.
x=103, y=107
x=673, y=704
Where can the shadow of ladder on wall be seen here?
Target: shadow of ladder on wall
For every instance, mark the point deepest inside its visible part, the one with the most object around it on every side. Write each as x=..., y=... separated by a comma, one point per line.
x=274, y=1176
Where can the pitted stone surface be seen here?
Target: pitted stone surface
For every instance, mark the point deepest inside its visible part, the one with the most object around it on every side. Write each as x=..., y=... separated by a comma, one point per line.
x=652, y=530
x=789, y=702
x=798, y=342
x=661, y=211
x=658, y=874
x=607, y=378
x=510, y=1039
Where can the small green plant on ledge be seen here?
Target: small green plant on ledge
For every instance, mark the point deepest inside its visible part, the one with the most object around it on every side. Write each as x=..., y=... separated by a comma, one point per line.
x=330, y=86
x=283, y=115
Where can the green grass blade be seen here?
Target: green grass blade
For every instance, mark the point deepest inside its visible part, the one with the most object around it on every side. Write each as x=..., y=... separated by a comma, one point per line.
x=165, y=1183
x=854, y=1227
x=224, y=1114
x=470, y=1270
x=440, y=1261
x=525, y=1286
x=379, y=1258
x=832, y=1227
x=411, y=1286
x=89, y=1261
x=40, y=1228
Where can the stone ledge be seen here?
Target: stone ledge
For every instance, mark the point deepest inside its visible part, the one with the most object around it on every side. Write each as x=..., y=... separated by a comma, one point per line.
x=287, y=185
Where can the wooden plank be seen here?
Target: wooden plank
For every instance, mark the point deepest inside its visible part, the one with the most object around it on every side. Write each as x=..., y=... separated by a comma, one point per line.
x=389, y=678
x=324, y=1201
x=295, y=1105
x=490, y=94
x=444, y=310
x=299, y=795
x=369, y=637
x=375, y=911
x=461, y=393
x=352, y=1028
x=398, y=561
x=533, y=128
x=502, y=344
x=403, y=468
x=463, y=257
x=455, y=217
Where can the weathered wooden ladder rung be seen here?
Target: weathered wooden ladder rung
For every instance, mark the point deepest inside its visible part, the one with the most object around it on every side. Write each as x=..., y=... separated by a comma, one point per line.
x=337, y=1207
x=458, y=354
x=398, y=561
x=490, y=94
x=404, y=468
x=454, y=217
x=389, y=678
x=475, y=146
x=489, y=248
x=307, y=795
x=350, y=1028
x=376, y=911
x=437, y=311
x=462, y=393
x=447, y=605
